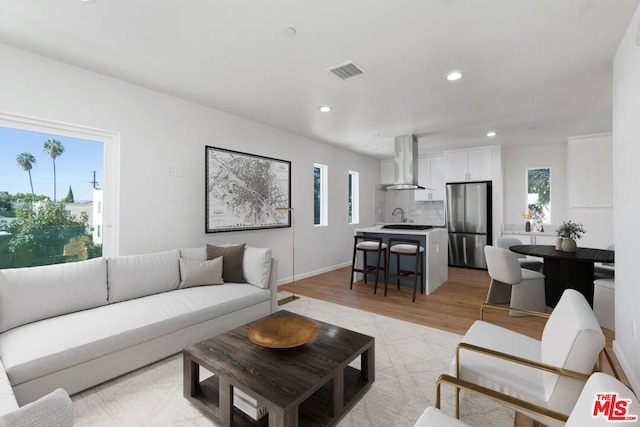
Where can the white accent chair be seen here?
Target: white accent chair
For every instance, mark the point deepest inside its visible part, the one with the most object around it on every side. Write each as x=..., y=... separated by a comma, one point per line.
x=604, y=296
x=549, y=373
x=581, y=415
x=529, y=264
x=511, y=284
x=52, y=410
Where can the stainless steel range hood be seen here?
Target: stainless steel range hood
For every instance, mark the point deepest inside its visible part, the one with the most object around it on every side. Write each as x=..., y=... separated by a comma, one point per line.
x=406, y=164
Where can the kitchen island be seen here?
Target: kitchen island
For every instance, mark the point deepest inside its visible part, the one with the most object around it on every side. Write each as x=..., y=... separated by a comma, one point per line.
x=433, y=240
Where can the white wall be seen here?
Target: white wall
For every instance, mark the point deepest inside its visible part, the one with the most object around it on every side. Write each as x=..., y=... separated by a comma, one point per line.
x=515, y=162
x=159, y=212
x=626, y=202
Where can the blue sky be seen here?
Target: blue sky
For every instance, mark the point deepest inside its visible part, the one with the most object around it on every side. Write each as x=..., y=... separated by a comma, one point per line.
x=73, y=167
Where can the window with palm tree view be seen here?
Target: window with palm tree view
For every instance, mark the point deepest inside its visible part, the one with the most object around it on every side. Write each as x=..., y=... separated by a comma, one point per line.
x=50, y=198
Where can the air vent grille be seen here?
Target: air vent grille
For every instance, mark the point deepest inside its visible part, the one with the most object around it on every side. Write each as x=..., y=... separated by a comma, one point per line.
x=347, y=70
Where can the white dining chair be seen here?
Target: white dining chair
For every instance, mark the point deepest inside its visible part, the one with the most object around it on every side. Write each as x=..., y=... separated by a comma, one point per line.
x=530, y=264
x=511, y=284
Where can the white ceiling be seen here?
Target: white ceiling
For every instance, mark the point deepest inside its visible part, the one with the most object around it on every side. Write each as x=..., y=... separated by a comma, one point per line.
x=535, y=71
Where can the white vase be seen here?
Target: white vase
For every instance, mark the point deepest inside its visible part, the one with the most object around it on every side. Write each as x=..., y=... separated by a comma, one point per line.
x=558, y=243
x=568, y=245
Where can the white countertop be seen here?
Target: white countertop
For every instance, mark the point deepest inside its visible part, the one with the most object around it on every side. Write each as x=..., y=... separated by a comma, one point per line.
x=531, y=233
x=379, y=229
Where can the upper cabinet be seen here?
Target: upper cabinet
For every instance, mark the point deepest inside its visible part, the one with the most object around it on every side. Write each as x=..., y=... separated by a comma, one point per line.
x=590, y=171
x=468, y=165
x=387, y=172
x=431, y=176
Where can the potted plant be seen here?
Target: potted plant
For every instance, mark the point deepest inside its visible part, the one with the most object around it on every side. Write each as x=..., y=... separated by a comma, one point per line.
x=569, y=232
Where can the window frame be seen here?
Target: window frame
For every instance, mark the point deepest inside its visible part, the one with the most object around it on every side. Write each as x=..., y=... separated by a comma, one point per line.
x=111, y=179
x=353, y=197
x=323, y=195
x=547, y=219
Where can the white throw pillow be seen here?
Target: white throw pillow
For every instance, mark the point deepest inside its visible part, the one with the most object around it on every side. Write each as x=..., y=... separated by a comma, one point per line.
x=198, y=273
x=135, y=276
x=256, y=266
x=198, y=254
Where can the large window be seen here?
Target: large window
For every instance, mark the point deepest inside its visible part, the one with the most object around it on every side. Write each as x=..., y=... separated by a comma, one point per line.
x=354, y=198
x=51, y=192
x=539, y=195
x=320, y=209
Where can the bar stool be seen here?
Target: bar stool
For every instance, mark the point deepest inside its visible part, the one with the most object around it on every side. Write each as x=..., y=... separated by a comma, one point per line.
x=369, y=245
x=405, y=248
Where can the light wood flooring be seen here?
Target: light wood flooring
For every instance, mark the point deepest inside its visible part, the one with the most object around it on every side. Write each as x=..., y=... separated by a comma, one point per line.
x=453, y=307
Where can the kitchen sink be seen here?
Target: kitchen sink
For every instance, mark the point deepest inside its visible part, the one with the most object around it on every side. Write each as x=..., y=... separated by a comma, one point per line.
x=407, y=227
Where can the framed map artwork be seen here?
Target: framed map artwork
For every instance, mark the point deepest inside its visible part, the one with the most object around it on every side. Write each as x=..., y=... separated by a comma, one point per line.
x=243, y=191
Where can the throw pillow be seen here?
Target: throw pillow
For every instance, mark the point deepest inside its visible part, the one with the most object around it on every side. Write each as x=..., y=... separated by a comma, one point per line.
x=232, y=265
x=198, y=273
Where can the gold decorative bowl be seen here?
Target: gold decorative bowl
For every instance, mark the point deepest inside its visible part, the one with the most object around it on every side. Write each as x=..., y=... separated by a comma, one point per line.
x=283, y=332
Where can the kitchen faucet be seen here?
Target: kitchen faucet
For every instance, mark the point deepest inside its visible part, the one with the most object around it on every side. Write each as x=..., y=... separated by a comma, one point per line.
x=402, y=218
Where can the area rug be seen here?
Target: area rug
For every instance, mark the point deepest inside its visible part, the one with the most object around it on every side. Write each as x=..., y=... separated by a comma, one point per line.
x=409, y=358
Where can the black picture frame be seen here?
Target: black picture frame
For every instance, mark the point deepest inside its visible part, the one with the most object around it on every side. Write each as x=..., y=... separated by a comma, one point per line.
x=242, y=191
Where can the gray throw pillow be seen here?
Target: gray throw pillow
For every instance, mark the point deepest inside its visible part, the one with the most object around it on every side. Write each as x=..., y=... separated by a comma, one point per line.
x=232, y=264
x=199, y=273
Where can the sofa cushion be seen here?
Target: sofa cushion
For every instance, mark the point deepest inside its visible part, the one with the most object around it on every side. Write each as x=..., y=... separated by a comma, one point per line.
x=524, y=382
x=35, y=293
x=199, y=273
x=136, y=276
x=197, y=254
x=79, y=337
x=232, y=265
x=256, y=266
x=8, y=401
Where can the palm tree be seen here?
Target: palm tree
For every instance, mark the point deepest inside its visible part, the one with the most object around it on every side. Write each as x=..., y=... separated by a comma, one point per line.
x=54, y=148
x=26, y=161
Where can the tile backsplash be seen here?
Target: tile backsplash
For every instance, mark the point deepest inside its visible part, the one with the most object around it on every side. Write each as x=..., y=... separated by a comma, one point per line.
x=416, y=212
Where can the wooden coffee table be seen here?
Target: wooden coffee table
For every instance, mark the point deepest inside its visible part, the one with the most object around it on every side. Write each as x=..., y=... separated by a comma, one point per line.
x=307, y=385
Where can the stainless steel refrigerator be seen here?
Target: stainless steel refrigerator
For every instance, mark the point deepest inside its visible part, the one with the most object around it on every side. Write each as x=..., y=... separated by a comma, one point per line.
x=469, y=223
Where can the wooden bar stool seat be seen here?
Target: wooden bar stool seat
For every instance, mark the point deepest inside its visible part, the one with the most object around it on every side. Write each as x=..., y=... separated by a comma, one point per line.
x=405, y=248
x=375, y=247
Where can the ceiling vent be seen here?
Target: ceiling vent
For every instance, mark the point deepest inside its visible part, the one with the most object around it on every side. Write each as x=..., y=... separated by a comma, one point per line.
x=348, y=70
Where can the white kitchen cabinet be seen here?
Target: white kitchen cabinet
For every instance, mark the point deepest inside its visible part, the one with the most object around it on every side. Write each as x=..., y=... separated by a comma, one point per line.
x=590, y=171
x=431, y=176
x=533, y=238
x=468, y=165
x=387, y=172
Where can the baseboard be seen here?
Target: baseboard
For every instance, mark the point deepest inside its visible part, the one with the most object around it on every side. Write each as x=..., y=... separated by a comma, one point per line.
x=632, y=376
x=308, y=274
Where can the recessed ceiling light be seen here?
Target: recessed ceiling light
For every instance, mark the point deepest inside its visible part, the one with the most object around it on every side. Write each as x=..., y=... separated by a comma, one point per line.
x=324, y=108
x=454, y=75
x=87, y=1
x=491, y=133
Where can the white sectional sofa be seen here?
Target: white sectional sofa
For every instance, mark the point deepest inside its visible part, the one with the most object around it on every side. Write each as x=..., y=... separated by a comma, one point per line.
x=76, y=325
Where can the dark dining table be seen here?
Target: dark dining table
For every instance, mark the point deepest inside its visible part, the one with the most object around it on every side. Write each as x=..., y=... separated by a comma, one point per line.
x=564, y=270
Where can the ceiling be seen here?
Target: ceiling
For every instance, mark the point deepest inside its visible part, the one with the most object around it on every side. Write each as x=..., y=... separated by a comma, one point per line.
x=534, y=71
